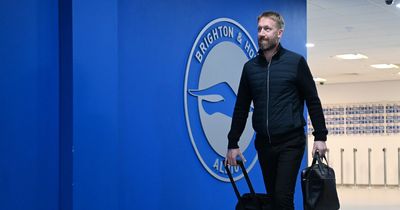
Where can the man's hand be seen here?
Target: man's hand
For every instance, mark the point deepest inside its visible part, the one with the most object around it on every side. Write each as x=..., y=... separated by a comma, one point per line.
x=231, y=155
x=321, y=147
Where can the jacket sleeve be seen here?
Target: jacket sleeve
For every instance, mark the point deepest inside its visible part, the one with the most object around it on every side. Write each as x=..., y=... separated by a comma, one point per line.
x=308, y=91
x=240, y=113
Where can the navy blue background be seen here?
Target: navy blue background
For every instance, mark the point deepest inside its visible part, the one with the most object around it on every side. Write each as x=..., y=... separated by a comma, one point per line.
x=92, y=113
x=29, y=105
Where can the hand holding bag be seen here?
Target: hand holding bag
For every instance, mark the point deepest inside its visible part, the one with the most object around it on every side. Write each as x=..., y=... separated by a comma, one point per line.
x=252, y=200
x=318, y=184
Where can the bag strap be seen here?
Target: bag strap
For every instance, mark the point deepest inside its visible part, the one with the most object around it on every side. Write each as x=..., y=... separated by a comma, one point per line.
x=319, y=159
x=246, y=176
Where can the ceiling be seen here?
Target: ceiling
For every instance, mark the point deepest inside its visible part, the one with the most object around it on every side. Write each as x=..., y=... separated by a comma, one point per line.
x=369, y=27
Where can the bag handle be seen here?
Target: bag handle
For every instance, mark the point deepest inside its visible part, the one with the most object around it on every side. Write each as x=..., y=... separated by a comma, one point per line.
x=318, y=158
x=246, y=176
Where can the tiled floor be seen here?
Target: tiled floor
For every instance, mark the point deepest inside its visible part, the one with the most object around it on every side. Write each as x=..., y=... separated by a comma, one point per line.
x=363, y=198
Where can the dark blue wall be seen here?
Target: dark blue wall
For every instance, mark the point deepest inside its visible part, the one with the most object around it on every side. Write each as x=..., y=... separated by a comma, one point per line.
x=121, y=125
x=157, y=157
x=95, y=109
x=29, y=105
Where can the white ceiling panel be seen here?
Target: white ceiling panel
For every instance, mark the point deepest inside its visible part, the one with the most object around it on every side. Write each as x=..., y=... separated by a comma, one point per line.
x=369, y=27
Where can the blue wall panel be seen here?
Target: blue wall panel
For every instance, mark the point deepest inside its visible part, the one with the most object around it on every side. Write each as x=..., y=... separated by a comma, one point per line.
x=95, y=111
x=158, y=164
x=29, y=105
x=121, y=84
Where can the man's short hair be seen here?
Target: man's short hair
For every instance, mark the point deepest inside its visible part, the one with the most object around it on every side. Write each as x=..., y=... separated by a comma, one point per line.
x=274, y=16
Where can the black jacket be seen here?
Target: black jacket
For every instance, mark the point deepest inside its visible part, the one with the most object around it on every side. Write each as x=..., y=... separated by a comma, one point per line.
x=278, y=91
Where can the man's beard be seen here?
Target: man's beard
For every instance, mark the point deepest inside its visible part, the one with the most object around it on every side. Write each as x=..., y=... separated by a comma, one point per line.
x=267, y=45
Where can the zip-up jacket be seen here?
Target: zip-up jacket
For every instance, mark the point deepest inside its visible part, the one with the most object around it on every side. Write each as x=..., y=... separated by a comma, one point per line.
x=278, y=90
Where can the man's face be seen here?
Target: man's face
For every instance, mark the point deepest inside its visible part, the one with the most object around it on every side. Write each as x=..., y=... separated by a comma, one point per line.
x=268, y=34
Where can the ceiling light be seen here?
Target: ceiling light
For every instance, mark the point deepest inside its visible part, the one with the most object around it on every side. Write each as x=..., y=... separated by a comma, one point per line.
x=384, y=66
x=398, y=5
x=308, y=45
x=351, y=56
x=318, y=79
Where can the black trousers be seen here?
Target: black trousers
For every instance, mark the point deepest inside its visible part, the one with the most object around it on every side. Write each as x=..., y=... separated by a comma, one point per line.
x=280, y=163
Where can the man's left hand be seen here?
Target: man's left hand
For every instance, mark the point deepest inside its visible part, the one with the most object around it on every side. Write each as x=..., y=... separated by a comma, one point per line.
x=320, y=146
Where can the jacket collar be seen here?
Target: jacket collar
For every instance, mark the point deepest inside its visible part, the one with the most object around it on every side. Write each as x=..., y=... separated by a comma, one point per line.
x=279, y=52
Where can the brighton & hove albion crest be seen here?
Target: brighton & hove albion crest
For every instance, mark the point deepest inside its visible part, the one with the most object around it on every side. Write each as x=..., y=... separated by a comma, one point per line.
x=211, y=82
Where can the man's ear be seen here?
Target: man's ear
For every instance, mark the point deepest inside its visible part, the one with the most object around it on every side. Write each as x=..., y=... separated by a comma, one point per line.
x=280, y=33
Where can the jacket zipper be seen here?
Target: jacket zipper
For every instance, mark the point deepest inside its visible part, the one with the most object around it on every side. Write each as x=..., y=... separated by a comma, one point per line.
x=269, y=137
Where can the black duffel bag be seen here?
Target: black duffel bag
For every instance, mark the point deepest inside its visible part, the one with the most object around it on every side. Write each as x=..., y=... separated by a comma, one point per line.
x=252, y=200
x=318, y=185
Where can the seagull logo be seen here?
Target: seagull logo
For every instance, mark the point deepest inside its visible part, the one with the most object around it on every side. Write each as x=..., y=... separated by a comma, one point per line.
x=212, y=78
x=223, y=101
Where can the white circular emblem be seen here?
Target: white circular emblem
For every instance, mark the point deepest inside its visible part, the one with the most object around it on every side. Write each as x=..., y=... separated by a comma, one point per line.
x=212, y=79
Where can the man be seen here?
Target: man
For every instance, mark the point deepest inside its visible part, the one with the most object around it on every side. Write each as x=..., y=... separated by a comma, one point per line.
x=278, y=82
